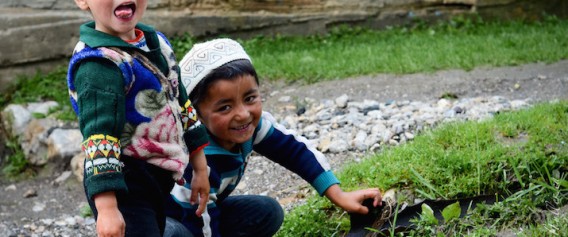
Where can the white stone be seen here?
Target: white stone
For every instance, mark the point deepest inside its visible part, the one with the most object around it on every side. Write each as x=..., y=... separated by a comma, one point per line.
x=341, y=101
x=359, y=141
x=409, y=136
x=70, y=221
x=444, y=104
x=338, y=146
x=34, y=140
x=64, y=176
x=11, y=187
x=38, y=206
x=285, y=99
x=42, y=108
x=64, y=143
x=15, y=119
x=77, y=165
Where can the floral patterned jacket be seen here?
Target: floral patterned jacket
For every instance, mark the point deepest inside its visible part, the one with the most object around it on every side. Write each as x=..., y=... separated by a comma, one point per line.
x=129, y=104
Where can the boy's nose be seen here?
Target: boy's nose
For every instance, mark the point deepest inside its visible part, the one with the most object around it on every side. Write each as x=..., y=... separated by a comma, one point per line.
x=241, y=112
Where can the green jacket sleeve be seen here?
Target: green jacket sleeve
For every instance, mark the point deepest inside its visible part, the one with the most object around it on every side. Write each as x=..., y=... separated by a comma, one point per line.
x=101, y=102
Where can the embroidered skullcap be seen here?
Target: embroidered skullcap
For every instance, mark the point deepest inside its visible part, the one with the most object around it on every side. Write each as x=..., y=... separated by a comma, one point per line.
x=207, y=56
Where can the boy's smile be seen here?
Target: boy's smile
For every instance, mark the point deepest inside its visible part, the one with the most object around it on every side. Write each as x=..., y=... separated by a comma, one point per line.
x=231, y=110
x=115, y=17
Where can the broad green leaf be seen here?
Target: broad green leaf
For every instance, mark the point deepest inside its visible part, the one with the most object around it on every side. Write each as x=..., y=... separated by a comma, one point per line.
x=452, y=211
x=428, y=215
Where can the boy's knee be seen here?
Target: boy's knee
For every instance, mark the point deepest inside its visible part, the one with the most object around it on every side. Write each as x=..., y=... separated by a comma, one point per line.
x=274, y=209
x=175, y=229
x=273, y=216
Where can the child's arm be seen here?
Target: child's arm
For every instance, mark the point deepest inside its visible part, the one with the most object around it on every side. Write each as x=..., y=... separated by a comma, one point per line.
x=109, y=221
x=296, y=154
x=200, y=181
x=100, y=93
x=196, y=139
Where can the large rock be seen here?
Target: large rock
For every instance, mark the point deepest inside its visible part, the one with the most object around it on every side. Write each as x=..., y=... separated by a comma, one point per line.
x=63, y=144
x=15, y=118
x=34, y=141
x=77, y=165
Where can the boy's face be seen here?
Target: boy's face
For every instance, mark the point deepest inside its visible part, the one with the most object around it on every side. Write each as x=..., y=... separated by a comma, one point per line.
x=231, y=110
x=115, y=17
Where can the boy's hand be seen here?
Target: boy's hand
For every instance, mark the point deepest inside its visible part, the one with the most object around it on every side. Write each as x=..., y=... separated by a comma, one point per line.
x=199, y=182
x=352, y=201
x=110, y=222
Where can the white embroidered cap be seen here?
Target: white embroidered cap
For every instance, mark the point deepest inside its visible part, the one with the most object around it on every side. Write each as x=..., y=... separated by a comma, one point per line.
x=207, y=56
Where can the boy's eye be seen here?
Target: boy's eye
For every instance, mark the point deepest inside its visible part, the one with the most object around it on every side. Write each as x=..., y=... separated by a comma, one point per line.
x=250, y=99
x=223, y=108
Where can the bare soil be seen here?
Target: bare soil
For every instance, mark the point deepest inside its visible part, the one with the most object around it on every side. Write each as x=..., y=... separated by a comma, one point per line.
x=540, y=82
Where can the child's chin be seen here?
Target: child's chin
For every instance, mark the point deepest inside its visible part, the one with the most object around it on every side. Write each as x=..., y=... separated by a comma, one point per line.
x=242, y=137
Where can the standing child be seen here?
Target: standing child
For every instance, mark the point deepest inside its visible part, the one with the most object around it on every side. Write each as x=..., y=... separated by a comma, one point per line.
x=223, y=84
x=138, y=125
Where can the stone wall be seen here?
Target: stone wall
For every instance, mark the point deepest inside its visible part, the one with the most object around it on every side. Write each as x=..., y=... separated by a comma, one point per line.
x=39, y=35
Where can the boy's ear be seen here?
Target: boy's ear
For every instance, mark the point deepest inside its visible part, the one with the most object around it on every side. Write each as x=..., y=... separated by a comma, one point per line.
x=82, y=4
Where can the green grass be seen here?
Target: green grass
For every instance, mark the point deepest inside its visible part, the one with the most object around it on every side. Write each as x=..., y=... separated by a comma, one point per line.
x=555, y=225
x=16, y=163
x=525, y=150
x=41, y=87
x=458, y=44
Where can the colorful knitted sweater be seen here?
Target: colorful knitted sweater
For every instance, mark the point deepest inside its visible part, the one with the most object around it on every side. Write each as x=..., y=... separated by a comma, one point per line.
x=129, y=104
x=226, y=169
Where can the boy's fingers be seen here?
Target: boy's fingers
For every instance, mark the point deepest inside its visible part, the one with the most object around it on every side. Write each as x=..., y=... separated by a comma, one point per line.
x=203, y=201
x=199, y=211
x=378, y=198
x=378, y=201
x=193, y=198
x=364, y=210
x=202, y=205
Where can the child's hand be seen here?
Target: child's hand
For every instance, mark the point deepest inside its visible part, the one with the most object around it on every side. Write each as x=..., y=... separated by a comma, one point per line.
x=199, y=182
x=110, y=222
x=199, y=191
x=352, y=201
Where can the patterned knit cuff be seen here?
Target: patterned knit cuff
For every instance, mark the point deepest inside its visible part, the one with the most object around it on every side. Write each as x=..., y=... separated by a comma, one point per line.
x=103, y=169
x=103, y=154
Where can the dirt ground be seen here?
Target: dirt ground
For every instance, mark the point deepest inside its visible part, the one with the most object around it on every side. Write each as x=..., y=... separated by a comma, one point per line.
x=539, y=82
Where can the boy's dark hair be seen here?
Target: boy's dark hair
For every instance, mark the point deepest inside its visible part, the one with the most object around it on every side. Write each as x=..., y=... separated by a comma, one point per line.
x=228, y=71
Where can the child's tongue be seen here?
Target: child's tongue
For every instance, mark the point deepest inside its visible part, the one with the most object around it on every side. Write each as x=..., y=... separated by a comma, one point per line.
x=123, y=12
